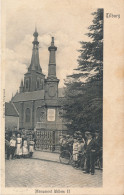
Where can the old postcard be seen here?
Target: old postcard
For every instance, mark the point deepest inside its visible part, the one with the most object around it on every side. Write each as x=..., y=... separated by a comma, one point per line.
x=62, y=79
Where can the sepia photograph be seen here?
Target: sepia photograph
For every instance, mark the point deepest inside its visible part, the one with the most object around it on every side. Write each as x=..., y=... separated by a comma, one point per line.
x=54, y=93
x=53, y=96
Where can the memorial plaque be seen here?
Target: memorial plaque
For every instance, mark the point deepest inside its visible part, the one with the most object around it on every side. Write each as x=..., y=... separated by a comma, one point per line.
x=51, y=114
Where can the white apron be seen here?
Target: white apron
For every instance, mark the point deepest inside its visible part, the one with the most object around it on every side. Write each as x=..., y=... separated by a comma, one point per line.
x=25, y=148
x=31, y=146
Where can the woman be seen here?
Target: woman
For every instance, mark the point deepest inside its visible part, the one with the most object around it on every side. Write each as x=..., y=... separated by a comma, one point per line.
x=19, y=146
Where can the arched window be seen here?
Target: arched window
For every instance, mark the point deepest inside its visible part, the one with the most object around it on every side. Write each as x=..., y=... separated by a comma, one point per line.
x=40, y=114
x=27, y=115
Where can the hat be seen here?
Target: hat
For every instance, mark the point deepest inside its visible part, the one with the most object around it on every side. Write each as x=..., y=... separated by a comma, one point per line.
x=87, y=132
x=79, y=132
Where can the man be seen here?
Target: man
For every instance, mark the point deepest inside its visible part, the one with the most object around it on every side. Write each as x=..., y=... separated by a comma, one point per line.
x=12, y=146
x=70, y=144
x=67, y=143
x=90, y=153
x=80, y=152
x=98, y=143
x=97, y=139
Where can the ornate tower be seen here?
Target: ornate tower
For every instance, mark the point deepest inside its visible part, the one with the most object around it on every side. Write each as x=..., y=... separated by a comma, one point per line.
x=52, y=81
x=34, y=78
x=35, y=64
x=52, y=60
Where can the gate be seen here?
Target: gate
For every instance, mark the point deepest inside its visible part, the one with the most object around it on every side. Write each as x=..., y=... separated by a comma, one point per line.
x=48, y=140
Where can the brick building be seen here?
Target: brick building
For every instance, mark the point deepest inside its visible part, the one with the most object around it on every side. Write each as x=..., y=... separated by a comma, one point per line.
x=39, y=99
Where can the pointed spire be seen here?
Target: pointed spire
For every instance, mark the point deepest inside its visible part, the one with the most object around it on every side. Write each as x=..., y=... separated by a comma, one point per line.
x=35, y=64
x=35, y=36
x=52, y=42
x=52, y=60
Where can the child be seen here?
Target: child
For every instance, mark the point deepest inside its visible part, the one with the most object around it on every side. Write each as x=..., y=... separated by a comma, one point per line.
x=31, y=147
x=25, y=148
x=75, y=152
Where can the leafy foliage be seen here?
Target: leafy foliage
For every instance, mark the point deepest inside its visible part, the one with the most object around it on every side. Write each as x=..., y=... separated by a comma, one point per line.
x=83, y=101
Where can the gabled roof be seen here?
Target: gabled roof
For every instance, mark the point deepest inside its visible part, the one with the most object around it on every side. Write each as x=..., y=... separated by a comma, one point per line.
x=28, y=96
x=34, y=95
x=10, y=110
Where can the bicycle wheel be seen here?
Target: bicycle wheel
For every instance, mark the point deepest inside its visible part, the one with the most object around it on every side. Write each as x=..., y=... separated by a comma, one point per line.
x=65, y=157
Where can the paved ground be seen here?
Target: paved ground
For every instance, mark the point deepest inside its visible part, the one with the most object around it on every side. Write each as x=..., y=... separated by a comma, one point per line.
x=44, y=170
x=46, y=156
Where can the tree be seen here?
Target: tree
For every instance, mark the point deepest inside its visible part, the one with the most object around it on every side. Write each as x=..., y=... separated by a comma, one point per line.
x=83, y=100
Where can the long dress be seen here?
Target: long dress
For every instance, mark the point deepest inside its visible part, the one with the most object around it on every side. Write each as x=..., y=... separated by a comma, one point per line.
x=25, y=148
x=19, y=146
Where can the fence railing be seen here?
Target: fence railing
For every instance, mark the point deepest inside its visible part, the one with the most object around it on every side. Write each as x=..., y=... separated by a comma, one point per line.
x=48, y=140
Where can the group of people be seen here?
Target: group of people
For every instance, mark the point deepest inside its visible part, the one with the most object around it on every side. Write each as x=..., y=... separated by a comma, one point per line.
x=84, y=149
x=18, y=146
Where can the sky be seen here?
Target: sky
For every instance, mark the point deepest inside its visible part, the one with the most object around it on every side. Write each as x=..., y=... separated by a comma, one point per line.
x=66, y=20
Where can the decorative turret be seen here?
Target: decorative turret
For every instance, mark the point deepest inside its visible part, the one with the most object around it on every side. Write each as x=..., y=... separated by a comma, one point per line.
x=21, y=88
x=51, y=83
x=34, y=78
x=35, y=63
x=52, y=60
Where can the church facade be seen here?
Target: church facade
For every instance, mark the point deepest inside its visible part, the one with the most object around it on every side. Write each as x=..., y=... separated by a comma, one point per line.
x=39, y=99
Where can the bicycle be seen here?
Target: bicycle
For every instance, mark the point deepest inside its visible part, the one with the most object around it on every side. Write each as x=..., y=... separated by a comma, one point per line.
x=78, y=160
x=65, y=157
